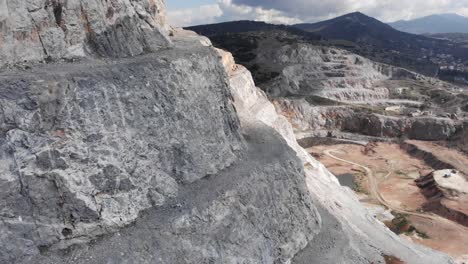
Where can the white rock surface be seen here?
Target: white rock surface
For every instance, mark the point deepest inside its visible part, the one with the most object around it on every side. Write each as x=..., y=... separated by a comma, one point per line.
x=326, y=72
x=452, y=182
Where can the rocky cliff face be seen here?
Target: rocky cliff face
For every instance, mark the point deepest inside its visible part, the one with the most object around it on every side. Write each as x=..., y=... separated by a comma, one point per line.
x=443, y=189
x=36, y=30
x=170, y=157
x=310, y=70
x=85, y=149
x=423, y=128
x=307, y=117
x=306, y=69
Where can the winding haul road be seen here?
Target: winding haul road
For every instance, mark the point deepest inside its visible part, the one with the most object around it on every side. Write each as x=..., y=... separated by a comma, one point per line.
x=374, y=191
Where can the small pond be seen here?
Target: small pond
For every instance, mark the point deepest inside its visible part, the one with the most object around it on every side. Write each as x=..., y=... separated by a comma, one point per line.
x=347, y=180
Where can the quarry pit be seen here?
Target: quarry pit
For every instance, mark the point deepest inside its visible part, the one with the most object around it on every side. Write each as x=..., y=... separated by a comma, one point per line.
x=387, y=177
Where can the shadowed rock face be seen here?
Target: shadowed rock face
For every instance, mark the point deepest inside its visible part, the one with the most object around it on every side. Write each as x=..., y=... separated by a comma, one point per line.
x=35, y=30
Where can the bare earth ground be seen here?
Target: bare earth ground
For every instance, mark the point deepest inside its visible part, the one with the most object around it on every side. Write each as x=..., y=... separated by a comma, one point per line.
x=394, y=171
x=456, y=158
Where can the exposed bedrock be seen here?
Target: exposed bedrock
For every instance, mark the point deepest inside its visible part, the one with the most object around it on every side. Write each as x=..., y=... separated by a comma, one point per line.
x=412, y=128
x=84, y=149
x=461, y=139
x=305, y=69
x=443, y=200
x=306, y=117
x=35, y=30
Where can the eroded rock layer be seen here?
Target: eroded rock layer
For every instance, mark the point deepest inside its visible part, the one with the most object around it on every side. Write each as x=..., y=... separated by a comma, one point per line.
x=36, y=30
x=308, y=117
x=446, y=194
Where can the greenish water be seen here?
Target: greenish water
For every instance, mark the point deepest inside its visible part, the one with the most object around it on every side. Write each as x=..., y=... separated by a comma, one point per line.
x=347, y=180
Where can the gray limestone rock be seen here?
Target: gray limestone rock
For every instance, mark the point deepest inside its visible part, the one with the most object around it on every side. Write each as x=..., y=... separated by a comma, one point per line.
x=306, y=69
x=85, y=149
x=308, y=117
x=36, y=30
x=255, y=211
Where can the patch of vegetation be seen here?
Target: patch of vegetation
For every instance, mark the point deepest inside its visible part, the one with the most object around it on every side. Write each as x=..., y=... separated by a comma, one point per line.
x=358, y=179
x=366, y=109
x=441, y=96
x=399, y=172
x=409, y=94
x=401, y=225
x=318, y=100
x=341, y=43
x=454, y=76
x=455, y=37
x=422, y=234
x=392, y=260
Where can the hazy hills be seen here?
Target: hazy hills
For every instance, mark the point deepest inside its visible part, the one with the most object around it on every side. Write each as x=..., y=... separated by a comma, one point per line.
x=360, y=28
x=439, y=23
x=355, y=32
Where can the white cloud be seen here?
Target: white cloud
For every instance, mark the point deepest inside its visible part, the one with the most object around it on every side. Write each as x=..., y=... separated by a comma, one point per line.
x=204, y=14
x=225, y=10
x=245, y=12
x=296, y=11
x=386, y=10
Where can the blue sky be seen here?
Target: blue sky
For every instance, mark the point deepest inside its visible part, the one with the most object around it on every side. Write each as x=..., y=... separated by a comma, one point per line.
x=195, y=12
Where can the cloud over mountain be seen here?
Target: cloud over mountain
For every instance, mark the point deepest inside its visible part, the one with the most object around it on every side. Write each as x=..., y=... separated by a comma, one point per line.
x=295, y=11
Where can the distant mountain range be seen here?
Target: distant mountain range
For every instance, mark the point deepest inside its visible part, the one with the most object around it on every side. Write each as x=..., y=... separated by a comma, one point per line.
x=247, y=26
x=378, y=41
x=441, y=23
x=360, y=28
x=455, y=37
x=355, y=32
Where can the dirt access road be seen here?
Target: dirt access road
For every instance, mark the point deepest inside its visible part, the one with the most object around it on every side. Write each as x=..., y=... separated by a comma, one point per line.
x=374, y=191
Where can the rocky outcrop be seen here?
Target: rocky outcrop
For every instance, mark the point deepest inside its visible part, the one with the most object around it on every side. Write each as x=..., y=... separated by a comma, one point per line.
x=446, y=194
x=305, y=116
x=396, y=127
x=332, y=73
x=331, y=89
x=461, y=138
x=36, y=30
x=85, y=149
